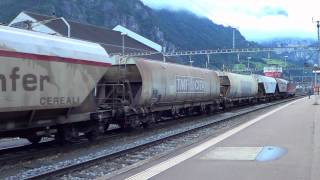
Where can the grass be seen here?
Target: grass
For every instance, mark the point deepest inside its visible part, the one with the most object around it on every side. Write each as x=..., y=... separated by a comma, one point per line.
x=274, y=62
x=239, y=67
x=259, y=65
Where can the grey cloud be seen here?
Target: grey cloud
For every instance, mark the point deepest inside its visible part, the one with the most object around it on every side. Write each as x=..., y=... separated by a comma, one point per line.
x=273, y=11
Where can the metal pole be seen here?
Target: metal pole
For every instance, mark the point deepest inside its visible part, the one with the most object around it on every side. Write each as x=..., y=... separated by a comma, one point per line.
x=34, y=24
x=163, y=54
x=318, y=26
x=123, y=58
x=233, y=38
x=123, y=45
x=302, y=75
x=248, y=65
x=315, y=74
x=315, y=88
x=285, y=62
x=68, y=26
x=190, y=60
x=123, y=34
x=316, y=80
x=208, y=60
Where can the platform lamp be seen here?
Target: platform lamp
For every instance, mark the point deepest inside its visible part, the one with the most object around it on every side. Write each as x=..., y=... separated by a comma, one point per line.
x=316, y=70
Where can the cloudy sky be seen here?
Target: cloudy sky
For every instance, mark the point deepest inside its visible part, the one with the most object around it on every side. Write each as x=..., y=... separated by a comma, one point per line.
x=256, y=19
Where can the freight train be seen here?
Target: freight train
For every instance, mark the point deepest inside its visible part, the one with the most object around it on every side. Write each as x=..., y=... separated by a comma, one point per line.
x=63, y=87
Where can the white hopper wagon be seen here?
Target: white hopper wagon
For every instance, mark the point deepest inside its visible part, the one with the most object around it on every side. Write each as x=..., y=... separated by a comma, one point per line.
x=46, y=81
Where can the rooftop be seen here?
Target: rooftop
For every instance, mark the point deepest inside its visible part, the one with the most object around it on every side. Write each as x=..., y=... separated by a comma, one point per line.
x=109, y=39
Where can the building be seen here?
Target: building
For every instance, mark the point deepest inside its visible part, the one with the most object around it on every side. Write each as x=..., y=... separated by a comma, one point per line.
x=272, y=71
x=111, y=40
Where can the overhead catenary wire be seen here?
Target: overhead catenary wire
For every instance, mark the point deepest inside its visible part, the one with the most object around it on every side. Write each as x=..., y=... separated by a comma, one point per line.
x=228, y=51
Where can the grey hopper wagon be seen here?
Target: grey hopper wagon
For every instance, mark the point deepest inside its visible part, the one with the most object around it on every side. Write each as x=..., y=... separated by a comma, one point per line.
x=150, y=87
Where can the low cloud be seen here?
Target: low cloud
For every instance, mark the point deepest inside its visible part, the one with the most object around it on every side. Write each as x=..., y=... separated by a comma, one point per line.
x=273, y=11
x=255, y=19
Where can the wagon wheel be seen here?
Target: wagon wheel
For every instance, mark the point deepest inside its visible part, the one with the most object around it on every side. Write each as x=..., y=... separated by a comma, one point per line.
x=125, y=127
x=145, y=125
x=106, y=127
x=157, y=117
x=34, y=139
x=91, y=135
x=125, y=124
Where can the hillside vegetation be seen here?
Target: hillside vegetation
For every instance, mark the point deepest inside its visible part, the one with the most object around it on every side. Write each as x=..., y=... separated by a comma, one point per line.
x=176, y=30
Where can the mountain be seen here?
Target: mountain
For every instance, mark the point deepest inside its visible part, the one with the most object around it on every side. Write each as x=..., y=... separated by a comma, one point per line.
x=176, y=30
x=189, y=31
x=284, y=42
x=298, y=57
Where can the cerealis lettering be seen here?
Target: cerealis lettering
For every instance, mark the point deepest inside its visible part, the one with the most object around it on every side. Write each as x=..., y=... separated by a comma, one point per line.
x=45, y=101
x=29, y=82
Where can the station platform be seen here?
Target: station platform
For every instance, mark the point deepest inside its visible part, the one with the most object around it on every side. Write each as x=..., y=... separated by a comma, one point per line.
x=283, y=144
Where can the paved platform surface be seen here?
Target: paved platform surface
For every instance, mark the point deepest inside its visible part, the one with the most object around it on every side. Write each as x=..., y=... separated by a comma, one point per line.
x=291, y=133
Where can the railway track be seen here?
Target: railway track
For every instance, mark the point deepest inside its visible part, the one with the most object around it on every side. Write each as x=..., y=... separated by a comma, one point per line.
x=25, y=152
x=17, y=154
x=78, y=165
